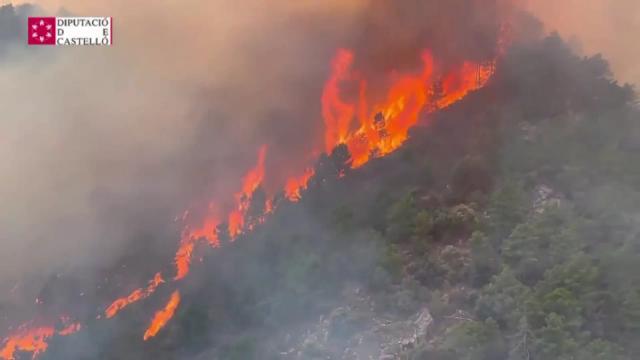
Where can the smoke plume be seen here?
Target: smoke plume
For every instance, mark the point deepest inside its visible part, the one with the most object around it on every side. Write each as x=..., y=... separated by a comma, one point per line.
x=609, y=27
x=105, y=146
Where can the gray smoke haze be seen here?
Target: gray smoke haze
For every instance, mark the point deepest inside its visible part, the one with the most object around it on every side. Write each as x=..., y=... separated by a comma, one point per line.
x=102, y=146
x=610, y=27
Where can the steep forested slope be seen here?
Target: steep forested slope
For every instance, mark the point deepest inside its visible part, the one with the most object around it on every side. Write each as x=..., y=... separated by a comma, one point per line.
x=508, y=228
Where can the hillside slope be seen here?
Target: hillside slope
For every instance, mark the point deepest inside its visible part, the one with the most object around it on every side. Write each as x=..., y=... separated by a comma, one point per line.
x=506, y=229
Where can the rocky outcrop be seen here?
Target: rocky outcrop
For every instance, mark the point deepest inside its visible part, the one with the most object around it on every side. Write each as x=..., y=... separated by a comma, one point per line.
x=356, y=332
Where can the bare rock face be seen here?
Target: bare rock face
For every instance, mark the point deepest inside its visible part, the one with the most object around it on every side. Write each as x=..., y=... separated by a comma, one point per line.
x=355, y=332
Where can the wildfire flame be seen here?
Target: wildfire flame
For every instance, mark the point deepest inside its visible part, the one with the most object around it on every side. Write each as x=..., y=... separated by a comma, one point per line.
x=295, y=185
x=236, y=219
x=469, y=77
x=136, y=295
x=250, y=183
x=34, y=339
x=71, y=329
x=370, y=126
x=188, y=241
x=183, y=257
x=163, y=316
x=375, y=129
x=31, y=340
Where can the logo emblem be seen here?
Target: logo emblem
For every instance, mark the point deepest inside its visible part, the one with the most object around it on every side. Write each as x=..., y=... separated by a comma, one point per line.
x=42, y=30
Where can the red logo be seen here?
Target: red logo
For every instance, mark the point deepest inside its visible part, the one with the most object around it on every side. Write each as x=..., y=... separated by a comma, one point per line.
x=42, y=30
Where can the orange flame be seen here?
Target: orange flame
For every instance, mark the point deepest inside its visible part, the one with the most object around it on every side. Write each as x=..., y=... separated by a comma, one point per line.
x=236, y=219
x=163, y=316
x=136, y=295
x=294, y=185
x=337, y=114
x=34, y=339
x=28, y=340
x=269, y=206
x=379, y=129
x=250, y=183
x=470, y=76
x=190, y=236
x=183, y=258
x=369, y=127
x=71, y=329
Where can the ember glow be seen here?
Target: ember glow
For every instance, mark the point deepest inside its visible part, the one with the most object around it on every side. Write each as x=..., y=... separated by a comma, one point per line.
x=163, y=316
x=135, y=296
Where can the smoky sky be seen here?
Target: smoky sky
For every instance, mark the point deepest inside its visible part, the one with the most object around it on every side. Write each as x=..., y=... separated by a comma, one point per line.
x=101, y=147
x=610, y=27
